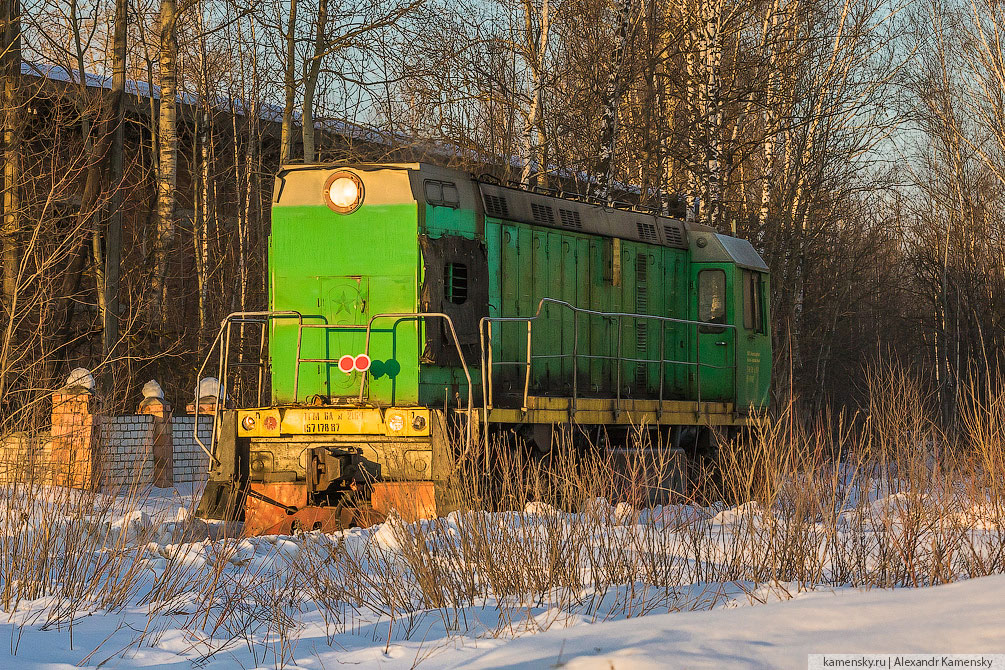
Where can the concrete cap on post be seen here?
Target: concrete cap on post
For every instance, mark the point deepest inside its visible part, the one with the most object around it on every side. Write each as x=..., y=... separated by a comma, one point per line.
x=80, y=380
x=76, y=393
x=207, y=394
x=153, y=400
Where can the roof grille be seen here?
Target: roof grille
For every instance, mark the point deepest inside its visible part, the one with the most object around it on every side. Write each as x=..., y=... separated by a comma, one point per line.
x=542, y=214
x=570, y=219
x=647, y=232
x=673, y=235
x=495, y=205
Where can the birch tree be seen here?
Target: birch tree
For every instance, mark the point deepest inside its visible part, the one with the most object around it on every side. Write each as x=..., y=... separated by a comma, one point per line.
x=536, y=33
x=167, y=163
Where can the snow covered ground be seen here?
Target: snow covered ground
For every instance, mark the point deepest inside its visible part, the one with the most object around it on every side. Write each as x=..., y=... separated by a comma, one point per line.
x=323, y=602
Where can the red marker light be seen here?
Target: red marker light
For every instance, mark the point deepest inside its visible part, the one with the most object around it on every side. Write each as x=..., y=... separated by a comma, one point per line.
x=346, y=363
x=270, y=423
x=362, y=362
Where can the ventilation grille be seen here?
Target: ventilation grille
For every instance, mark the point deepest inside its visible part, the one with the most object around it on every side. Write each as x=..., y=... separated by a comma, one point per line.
x=642, y=325
x=495, y=205
x=674, y=236
x=647, y=232
x=641, y=273
x=570, y=219
x=542, y=214
x=455, y=283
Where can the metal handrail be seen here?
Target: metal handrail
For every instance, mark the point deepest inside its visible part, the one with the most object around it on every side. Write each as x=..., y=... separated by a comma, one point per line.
x=485, y=331
x=402, y=316
x=300, y=336
x=223, y=340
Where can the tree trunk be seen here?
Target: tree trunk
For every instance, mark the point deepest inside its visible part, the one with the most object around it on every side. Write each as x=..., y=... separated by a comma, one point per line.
x=533, y=139
x=289, y=84
x=200, y=242
x=311, y=82
x=771, y=114
x=167, y=173
x=711, y=44
x=10, y=70
x=113, y=239
x=609, y=130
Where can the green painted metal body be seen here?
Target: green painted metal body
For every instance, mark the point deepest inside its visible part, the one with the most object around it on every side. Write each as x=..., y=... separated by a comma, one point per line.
x=340, y=270
x=337, y=270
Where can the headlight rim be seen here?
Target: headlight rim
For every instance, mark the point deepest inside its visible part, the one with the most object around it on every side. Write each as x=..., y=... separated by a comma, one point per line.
x=360, y=192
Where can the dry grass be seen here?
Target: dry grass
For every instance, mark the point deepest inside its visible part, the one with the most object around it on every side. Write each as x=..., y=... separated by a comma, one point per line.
x=883, y=498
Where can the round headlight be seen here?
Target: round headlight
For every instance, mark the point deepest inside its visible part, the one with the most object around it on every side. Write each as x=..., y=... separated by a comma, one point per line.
x=248, y=422
x=343, y=192
x=395, y=422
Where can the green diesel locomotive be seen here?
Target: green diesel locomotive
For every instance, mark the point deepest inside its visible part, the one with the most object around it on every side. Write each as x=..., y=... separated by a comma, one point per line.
x=406, y=298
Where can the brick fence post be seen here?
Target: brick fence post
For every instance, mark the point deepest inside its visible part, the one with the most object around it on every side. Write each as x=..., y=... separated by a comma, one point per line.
x=75, y=427
x=161, y=438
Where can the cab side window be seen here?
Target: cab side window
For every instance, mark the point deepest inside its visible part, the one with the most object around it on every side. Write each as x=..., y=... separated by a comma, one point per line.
x=753, y=302
x=712, y=296
x=441, y=193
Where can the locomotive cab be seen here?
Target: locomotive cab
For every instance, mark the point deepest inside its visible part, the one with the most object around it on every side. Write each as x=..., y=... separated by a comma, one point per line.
x=731, y=288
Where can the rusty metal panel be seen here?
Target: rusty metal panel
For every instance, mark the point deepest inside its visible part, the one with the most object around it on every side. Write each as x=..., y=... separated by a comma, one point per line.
x=260, y=515
x=412, y=500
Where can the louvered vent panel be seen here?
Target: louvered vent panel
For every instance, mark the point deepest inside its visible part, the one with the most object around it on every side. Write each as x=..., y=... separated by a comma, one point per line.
x=673, y=235
x=642, y=325
x=495, y=205
x=647, y=232
x=570, y=219
x=542, y=214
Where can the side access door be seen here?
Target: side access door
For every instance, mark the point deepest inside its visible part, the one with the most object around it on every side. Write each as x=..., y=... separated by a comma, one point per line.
x=715, y=350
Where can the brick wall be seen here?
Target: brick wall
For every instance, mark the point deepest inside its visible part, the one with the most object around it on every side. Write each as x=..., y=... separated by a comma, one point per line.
x=86, y=449
x=191, y=464
x=25, y=458
x=125, y=451
x=89, y=450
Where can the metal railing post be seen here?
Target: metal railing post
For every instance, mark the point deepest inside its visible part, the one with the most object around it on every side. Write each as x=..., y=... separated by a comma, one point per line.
x=663, y=342
x=487, y=393
x=526, y=379
x=296, y=369
x=195, y=422
x=697, y=359
x=486, y=378
x=261, y=362
x=736, y=370
x=617, y=403
x=575, y=361
x=221, y=393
